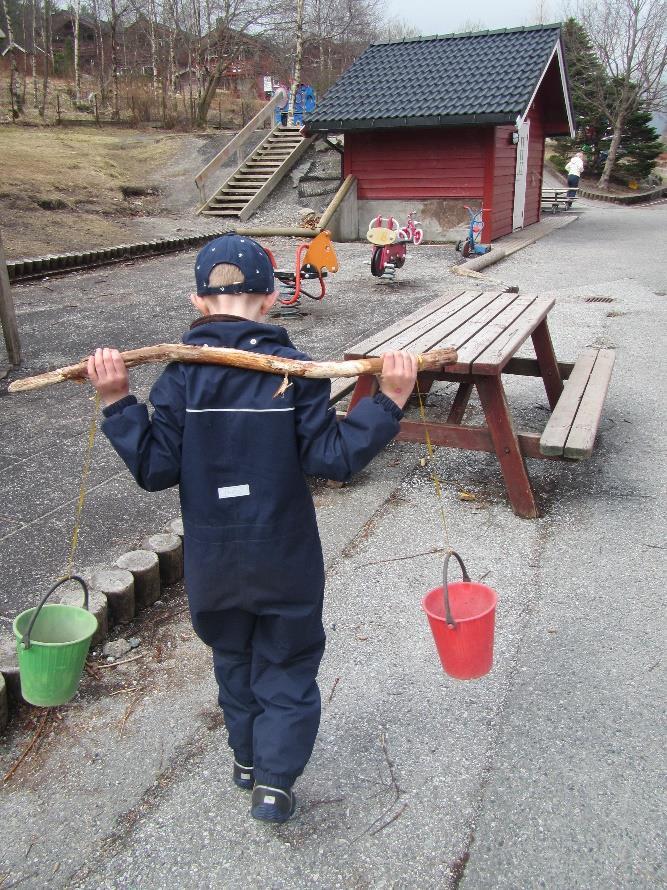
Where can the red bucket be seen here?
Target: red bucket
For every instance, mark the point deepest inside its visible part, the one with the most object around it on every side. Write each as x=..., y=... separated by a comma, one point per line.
x=462, y=617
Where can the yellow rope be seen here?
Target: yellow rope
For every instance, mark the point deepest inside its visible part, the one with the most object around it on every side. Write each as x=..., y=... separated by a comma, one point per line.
x=434, y=476
x=82, y=490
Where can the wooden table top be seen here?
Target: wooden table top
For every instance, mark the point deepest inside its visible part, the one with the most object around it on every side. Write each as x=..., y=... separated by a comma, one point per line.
x=486, y=329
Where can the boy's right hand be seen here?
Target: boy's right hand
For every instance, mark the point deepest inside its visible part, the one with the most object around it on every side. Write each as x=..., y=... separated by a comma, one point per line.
x=399, y=373
x=108, y=374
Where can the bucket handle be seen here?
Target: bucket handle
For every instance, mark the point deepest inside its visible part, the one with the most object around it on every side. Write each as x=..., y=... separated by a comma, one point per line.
x=25, y=641
x=449, y=618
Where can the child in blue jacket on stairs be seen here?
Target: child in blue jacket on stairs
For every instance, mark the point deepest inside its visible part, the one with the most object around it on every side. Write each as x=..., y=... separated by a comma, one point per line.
x=254, y=571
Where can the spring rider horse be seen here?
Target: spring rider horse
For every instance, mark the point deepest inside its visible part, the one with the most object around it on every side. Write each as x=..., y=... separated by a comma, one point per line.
x=390, y=242
x=313, y=262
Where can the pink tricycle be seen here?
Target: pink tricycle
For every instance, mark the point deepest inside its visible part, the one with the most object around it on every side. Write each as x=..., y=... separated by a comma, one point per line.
x=390, y=241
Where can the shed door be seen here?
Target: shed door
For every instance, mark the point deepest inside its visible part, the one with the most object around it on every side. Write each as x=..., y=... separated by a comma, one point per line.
x=521, y=176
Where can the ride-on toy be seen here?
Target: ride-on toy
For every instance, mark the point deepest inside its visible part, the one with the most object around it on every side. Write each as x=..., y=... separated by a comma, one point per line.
x=314, y=260
x=390, y=241
x=471, y=243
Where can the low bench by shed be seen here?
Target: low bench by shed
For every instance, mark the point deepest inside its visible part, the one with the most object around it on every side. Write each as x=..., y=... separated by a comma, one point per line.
x=557, y=198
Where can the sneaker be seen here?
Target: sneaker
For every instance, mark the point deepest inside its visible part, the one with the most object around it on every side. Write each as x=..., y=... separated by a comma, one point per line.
x=272, y=804
x=243, y=776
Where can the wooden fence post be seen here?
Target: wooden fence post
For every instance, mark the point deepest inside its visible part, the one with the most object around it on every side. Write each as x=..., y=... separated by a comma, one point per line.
x=7, y=314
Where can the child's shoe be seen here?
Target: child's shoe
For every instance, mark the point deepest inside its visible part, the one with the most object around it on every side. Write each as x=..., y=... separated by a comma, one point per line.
x=244, y=776
x=272, y=804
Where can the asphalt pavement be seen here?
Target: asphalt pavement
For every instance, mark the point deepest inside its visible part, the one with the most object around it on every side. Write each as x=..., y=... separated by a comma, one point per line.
x=549, y=772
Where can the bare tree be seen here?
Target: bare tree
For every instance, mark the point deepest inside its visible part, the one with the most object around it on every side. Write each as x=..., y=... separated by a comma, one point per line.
x=33, y=34
x=470, y=26
x=152, y=18
x=298, y=60
x=77, y=70
x=395, y=29
x=99, y=48
x=24, y=28
x=46, y=40
x=171, y=24
x=542, y=13
x=116, y=11
x=146, y=15
x=630, y=39
x=14, y=77
x=335, y=33
x=235, y=19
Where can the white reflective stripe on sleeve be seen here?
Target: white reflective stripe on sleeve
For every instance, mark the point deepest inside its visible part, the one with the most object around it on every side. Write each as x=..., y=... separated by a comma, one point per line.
x=234, y=491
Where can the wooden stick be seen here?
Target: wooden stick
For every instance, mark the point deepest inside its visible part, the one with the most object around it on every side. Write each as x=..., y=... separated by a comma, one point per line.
x=238, y=358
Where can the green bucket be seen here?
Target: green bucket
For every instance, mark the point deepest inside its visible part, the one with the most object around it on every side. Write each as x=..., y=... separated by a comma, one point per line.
x=52, y=642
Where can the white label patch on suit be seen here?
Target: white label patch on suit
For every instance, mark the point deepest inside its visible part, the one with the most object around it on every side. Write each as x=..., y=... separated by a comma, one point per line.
x=234, y=491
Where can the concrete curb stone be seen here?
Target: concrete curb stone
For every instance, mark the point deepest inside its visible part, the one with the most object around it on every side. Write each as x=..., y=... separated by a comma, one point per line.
x=118, y=587
x=145, y=569
x=175, y=527
x=9, y=667
x=97, y=605
x=169, y=550
x=4, y=706
x=627, y=200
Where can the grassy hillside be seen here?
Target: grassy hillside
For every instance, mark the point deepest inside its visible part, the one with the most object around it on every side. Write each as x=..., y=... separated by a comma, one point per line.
x=76, y=188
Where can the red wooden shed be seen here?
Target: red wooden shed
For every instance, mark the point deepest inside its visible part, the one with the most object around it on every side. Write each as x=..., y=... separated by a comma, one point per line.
x=435, y=123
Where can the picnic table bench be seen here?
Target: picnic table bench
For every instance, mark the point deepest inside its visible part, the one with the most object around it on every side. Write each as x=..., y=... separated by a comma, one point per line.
x=487, y=329
x=557, y=198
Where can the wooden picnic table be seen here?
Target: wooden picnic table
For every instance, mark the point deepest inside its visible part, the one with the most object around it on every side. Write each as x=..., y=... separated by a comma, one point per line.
x=487, y=329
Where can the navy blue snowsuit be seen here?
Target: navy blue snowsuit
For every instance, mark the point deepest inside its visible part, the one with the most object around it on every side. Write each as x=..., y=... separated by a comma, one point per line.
x=253, y=559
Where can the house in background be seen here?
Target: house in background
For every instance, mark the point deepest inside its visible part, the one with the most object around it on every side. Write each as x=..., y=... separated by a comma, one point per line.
x=248, y=58
x=435, y=123
x=62, y=39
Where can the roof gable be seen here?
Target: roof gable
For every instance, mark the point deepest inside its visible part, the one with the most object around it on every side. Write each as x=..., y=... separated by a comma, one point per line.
x=480, y=77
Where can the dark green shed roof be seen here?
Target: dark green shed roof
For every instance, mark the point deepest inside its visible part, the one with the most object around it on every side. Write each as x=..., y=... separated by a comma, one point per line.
x=455, y=79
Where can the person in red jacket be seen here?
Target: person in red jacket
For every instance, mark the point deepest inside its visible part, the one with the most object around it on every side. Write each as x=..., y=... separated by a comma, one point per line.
x=254, y=571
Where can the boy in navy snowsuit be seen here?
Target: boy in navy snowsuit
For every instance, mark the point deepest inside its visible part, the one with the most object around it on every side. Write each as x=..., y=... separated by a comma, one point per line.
x=253, y=559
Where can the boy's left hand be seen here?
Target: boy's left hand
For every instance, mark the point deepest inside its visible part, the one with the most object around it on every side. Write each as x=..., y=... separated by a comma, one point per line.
x=108, y=374
x=399, y=373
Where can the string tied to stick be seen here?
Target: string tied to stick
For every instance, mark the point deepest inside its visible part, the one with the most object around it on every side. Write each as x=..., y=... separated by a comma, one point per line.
x=435, y=479
x=92, y=429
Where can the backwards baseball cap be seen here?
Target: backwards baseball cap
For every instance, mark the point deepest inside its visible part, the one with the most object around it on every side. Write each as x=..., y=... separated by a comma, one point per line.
x=236, y=250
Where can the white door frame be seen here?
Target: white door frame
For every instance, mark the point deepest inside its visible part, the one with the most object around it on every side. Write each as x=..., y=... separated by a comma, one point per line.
x=520, y=176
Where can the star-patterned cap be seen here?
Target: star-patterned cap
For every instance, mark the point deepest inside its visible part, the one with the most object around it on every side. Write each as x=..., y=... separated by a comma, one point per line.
x=244, y=253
